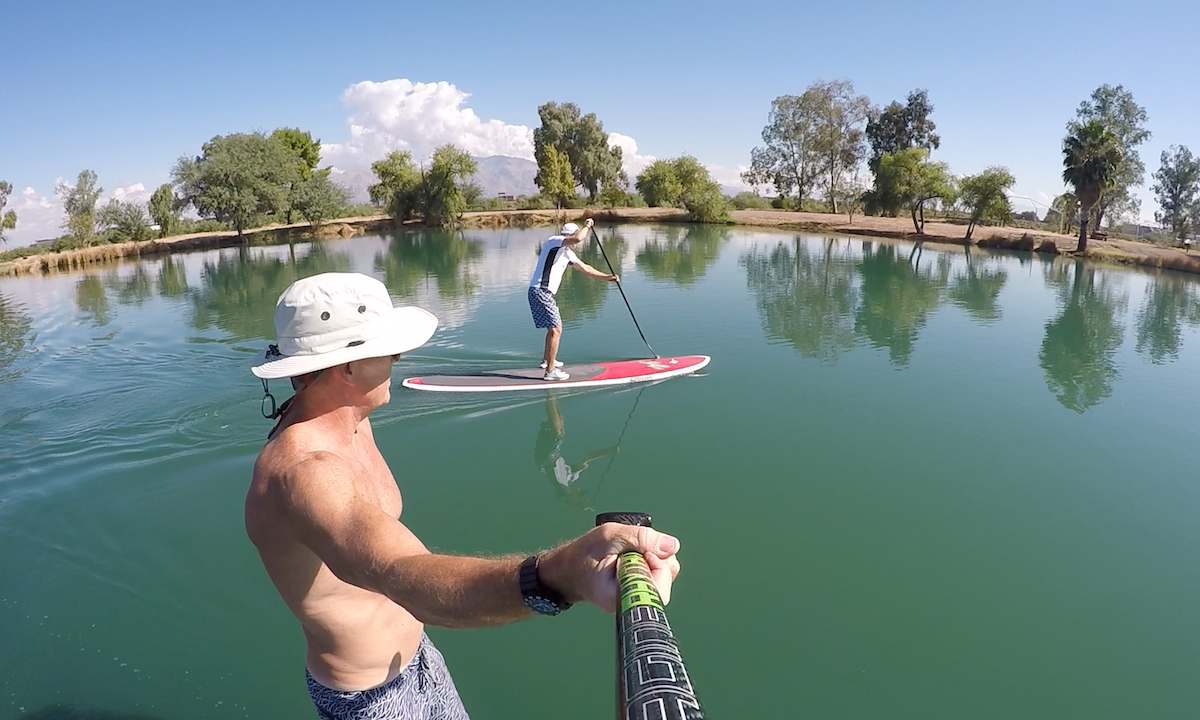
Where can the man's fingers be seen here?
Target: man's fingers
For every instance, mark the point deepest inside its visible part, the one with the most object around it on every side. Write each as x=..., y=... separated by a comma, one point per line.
x=663, y=573
x=645, y=540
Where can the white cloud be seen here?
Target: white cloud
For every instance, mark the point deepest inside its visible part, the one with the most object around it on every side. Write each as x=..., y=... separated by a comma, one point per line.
x=634, y=163
x=730, y=178
x=38, y=217
x=131, y=192
x=402, y=115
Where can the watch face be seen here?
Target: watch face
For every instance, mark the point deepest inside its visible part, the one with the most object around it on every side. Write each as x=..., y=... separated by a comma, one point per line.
x=541, y=605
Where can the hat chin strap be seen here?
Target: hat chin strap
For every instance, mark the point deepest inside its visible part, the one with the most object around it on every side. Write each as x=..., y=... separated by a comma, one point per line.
x=276, y=410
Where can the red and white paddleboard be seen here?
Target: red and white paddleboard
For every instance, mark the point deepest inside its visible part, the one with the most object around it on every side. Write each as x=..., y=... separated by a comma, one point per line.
x=619, y=372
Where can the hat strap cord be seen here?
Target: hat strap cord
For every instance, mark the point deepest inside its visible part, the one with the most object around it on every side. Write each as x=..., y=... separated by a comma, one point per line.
x=276, y=410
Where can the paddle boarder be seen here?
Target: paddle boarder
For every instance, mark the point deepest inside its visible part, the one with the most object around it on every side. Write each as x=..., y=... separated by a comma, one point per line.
x=553, y=260
x=323, y=511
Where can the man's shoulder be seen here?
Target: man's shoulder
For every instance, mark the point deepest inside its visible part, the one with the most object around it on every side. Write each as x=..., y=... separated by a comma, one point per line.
x=282, y=462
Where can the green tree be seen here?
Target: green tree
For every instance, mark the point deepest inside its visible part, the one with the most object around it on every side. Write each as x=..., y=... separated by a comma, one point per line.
x=683, y=181
x=397, y=191
x=1115, y=109
x=237, y=179
x=79, y=203
x=899, y=127
x=318, y=198
x=1177, y=188
x=1091, y=158
x=557, y=179
x=1079, y=348
x=789, y=158
x=583, y=140
x=659, y=184
x=908, y=179
x=616, y=195
x=164, y=210
x=8, y=220
x=839, y=141
x=852, y=196
x=1065, y=210
x=747, y=200
x=124, y=221
x=984, y=196
x=306, y=151
x=444, y=187
x=300, y=145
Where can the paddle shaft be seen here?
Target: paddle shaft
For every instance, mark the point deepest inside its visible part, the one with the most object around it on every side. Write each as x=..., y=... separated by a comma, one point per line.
x=652, y=682
x=614, y=272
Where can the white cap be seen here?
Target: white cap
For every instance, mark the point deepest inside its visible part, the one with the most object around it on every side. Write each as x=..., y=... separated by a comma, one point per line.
x=569, y=229
x=334, y=318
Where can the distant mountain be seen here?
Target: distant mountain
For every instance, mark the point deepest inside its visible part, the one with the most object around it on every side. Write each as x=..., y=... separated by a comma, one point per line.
x=495, y=174
x=509, y=175
x=356, y=183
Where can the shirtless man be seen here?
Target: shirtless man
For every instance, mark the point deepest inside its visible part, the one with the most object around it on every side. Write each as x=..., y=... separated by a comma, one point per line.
x=323, y=510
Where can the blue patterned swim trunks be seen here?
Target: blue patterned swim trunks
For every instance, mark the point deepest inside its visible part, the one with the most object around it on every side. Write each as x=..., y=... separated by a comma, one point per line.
x=423, y=691
x=543, y=307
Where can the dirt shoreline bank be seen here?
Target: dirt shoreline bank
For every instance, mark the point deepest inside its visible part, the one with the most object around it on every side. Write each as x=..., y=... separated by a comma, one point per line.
x=1124, y=252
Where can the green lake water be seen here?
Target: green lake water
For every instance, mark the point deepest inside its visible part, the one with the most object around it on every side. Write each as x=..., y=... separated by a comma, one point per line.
x=912, y=483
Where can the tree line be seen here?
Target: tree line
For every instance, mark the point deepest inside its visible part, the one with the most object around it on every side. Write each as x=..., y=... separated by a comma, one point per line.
x=236, y=182
x=828, y=142
x=819, y=143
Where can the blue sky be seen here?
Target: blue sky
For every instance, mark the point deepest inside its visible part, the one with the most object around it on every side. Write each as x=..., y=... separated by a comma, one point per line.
x=126, y=88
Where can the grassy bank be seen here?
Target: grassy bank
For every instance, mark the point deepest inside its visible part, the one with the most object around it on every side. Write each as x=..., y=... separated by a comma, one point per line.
x=1126, y=252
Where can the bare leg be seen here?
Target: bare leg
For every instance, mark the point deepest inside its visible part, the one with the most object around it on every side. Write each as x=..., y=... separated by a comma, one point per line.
x=552, y=336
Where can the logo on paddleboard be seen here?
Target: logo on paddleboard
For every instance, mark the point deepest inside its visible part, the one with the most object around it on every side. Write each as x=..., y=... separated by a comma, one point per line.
x=654, y=364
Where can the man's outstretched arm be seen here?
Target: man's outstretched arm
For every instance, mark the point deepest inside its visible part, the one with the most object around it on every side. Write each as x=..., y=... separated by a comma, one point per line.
x=586, y=269
x=364, y=546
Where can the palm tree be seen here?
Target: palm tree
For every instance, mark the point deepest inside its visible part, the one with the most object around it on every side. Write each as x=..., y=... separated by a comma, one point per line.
x=1091, y=155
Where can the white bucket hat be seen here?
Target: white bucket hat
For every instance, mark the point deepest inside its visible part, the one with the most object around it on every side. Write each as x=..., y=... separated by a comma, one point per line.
x=334, y=318
x=569, y=229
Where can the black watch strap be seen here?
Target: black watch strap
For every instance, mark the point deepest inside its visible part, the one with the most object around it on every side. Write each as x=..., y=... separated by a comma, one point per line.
x=539, y=597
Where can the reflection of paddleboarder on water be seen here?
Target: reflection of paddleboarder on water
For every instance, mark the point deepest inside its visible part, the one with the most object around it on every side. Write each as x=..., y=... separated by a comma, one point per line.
x=556, y=255
x=547, y=453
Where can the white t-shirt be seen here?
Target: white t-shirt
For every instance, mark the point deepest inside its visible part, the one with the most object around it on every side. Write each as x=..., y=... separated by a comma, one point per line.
x=552, y=263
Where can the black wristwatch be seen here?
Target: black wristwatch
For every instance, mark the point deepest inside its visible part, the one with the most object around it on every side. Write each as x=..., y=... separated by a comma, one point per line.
x=541, y=599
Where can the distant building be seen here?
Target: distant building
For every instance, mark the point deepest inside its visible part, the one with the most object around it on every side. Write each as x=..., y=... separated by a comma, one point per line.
x=44, y=243
x=506, y=197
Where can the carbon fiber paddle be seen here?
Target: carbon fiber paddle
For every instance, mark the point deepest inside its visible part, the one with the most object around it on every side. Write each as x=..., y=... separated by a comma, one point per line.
x=627, y=306
x=652, y=683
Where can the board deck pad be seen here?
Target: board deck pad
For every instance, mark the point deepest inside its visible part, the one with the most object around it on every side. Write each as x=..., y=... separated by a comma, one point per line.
x=618, y=372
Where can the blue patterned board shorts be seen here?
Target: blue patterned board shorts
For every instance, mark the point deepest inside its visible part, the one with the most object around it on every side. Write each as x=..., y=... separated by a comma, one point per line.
x=423, y=691
x=545, y=310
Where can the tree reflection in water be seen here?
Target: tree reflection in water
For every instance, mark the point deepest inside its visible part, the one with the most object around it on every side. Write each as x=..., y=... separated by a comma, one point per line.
x=447, y=256
x=238, y=292
x=1080, y=345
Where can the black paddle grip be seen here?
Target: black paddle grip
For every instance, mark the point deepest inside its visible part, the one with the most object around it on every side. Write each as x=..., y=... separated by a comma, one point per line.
x=624, y=518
